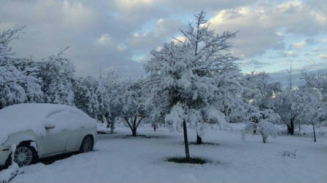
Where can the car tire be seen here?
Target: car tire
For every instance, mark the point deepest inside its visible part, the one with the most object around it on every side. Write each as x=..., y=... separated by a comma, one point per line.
x=87, y=144
x=23, y=156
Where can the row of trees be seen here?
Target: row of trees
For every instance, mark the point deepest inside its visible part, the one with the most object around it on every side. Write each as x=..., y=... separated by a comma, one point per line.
x=53, y=80
x=197, y=79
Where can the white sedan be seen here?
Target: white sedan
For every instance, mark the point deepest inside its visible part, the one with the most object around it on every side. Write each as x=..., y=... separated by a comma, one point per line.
x=43, y=130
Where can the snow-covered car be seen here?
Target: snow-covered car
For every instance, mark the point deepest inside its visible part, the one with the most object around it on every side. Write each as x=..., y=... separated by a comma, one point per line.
x=43, y=130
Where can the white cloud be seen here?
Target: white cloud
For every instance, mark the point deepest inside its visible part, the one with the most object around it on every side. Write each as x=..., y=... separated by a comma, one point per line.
x=110, y=33
x=104, y=40
x=323, y=56
x=168, y=27
x=76, y=14
x=194, y=6
x=163, y=30
x=179, y=39
x=259, y=23
x=298, y=45
x=290, y=54
x=128, y=6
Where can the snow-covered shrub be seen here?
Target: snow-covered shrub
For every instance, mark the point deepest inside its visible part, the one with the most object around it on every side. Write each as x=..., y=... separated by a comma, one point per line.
x=265, y=128
x=9, y=173
x=289, y=154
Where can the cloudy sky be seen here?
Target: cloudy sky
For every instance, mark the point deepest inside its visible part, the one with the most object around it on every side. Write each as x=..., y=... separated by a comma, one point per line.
x=118, y=34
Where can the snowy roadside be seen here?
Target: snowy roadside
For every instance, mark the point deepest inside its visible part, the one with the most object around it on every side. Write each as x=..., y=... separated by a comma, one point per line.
x=122, y=158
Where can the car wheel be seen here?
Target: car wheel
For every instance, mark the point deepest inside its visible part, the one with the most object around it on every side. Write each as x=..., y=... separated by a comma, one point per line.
x=87, y=144
x=25, y=155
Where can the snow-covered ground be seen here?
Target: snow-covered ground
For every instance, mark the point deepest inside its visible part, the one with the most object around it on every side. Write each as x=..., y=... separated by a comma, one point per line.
x=122, y=158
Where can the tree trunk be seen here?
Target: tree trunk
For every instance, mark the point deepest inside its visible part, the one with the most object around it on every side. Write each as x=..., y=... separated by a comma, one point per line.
x=108, y=125
x=187, y=151
x=314, y=133
x=290, y=127
x=154, y=127
x=198, y=139
x=134, y=132
x=132, y=127
x=112, y=127
x=255, y=126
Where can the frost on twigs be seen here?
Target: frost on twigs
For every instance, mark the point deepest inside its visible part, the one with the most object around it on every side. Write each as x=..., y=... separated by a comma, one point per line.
x=265, y=128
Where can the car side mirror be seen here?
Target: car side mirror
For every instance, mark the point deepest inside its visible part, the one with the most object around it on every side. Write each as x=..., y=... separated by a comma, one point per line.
x=49, y=126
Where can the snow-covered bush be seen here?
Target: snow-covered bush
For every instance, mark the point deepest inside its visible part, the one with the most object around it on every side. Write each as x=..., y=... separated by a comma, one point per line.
x=13, y=170
x=289, y=154
x=265, y=128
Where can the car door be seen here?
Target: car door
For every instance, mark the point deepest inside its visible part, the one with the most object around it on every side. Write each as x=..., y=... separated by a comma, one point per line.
x=55, y=138
x=75, y=135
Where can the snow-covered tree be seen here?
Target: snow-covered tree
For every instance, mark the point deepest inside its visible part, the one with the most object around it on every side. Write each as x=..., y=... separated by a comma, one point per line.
x=260, y=91
x=284, y=104
x=6, y=36
x=258, y=95
x=311, y=109
x=187, y=74
x=134, y=110
x=312, y=100
x=317, y=81
x=18, y=81
x=57, y=74
x=101, y=98
x=264, y=127
x=115, y=87
x=90, y=95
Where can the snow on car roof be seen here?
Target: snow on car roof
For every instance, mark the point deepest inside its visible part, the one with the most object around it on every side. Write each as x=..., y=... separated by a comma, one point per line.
x=31, y=116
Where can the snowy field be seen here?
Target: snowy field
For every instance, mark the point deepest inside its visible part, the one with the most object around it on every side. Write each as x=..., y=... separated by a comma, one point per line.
x=121, y=158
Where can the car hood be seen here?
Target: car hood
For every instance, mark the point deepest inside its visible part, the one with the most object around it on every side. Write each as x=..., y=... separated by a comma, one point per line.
x=22, y=117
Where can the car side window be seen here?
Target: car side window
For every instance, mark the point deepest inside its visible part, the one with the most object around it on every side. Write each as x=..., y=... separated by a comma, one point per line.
x=67, y=119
